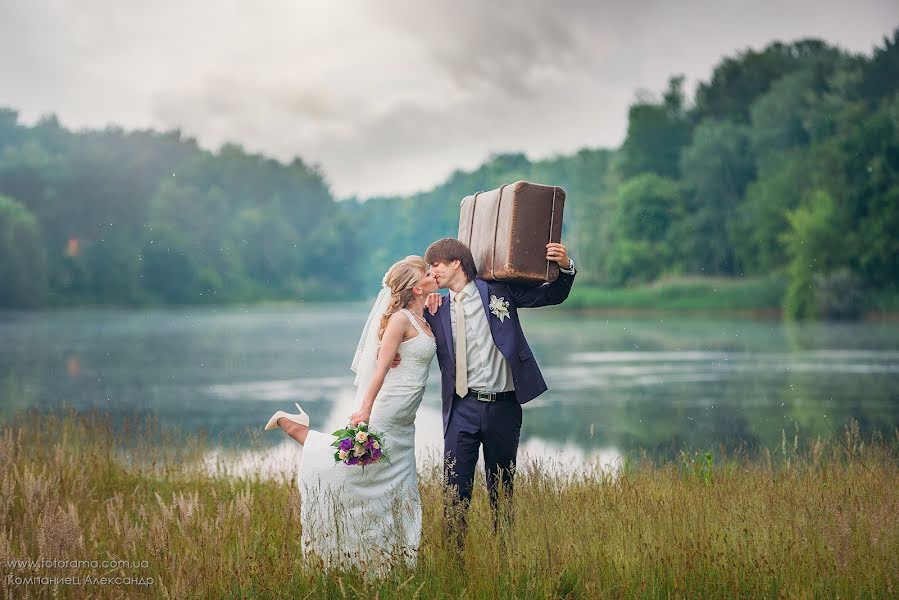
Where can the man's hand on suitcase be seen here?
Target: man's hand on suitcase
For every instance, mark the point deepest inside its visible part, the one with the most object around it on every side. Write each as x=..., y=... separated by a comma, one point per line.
x=559, y=254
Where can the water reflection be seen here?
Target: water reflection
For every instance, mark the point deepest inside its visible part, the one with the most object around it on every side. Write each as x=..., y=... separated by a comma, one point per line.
x=283, y=461
x=617, y=385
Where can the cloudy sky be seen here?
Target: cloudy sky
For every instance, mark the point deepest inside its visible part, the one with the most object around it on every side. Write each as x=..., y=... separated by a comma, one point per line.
x=388, y=96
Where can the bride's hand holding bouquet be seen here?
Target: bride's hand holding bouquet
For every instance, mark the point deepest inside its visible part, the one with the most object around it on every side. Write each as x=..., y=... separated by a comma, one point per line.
x=356, y=445
x=363, y=415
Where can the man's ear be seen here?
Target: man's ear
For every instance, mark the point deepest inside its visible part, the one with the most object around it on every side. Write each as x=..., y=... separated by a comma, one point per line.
x=457, y=263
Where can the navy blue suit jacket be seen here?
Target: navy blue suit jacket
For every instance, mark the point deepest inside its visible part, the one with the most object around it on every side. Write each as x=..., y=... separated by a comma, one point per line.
x=507, y=335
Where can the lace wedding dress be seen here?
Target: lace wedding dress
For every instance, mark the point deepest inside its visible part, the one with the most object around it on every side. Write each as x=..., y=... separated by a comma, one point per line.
x=370, y=517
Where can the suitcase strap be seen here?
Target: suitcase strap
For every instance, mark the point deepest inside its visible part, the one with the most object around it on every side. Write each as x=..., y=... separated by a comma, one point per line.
x=552, y=220
x=499, y=202
x=474, y=203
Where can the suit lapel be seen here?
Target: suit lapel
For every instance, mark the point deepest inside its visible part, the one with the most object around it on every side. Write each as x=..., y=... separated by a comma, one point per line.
x=444, y=313
x=482, y=288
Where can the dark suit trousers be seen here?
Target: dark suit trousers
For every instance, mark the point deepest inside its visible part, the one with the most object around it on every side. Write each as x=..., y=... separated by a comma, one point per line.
x=472, y=423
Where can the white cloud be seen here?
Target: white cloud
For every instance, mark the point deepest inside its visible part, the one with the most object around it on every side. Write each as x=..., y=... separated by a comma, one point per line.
x=386, y=95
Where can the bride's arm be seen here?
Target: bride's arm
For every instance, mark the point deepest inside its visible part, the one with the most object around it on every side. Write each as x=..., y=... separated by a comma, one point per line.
x=390, y=343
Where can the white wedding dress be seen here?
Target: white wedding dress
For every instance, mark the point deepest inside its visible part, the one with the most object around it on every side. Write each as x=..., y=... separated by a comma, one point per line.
x=370, y=517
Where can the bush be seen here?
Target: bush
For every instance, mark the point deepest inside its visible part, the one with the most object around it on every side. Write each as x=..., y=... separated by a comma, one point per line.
x=839, y=295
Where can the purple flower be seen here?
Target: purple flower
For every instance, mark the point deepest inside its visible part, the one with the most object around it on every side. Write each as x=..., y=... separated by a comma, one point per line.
x=346, y=444
x=376, y=453
x=352, y=460
x=367, y=460
x=368, y=444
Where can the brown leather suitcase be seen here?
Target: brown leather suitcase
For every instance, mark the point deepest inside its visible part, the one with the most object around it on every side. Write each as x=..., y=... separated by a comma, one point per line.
x=508, y=228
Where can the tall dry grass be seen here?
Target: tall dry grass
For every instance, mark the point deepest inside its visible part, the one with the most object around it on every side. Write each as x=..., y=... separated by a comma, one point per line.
x=801, y=521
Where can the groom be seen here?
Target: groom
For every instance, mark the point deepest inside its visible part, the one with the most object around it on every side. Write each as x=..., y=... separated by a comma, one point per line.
x=487, y=369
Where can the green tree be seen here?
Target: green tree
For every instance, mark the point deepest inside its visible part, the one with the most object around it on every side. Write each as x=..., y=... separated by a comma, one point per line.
x=168, y=271
x=879, y=75
x=645, y=209
x=113, y=262
x=777, y=116
x=268, y=245
x=656, y=134
x=23, y=273
x=815, y=244
x=738, y=81
x=590, y=187
x=716, y=167
x=870, y=147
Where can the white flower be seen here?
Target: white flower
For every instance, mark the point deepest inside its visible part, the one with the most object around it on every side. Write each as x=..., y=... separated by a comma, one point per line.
x=358, y=450
x=499, y=307
x=342, y=454
x=361, y=436
x=375, y=444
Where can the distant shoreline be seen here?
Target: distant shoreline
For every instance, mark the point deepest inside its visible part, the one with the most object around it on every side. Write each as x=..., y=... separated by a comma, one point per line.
x=756, y=298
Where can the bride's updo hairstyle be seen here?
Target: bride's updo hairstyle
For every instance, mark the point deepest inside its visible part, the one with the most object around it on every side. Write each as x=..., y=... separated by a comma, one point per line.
x=400, y=279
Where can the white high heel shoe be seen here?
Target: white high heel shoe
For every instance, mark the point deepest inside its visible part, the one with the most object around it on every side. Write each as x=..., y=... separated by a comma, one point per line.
x=302, y=418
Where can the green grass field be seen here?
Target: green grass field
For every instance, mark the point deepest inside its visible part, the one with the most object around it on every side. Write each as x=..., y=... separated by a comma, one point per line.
x=809, y=519
x=762, y=295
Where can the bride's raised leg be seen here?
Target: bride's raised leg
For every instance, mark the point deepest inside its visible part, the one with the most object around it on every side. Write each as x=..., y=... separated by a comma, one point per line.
x=294, y=430
x=296, y=426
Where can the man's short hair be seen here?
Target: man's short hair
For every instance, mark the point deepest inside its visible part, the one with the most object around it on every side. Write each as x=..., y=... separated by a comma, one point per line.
x=449, y=249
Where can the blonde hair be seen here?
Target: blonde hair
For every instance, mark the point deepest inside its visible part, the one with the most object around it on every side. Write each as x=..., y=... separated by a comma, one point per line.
x=401, y=278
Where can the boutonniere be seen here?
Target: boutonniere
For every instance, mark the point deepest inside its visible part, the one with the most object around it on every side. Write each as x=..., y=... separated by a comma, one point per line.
x=499, y=307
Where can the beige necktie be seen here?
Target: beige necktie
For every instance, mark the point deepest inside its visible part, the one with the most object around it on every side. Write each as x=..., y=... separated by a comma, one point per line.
x=461, y=348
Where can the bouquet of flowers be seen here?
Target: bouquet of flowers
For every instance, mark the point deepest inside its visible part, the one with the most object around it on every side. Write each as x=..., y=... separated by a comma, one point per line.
x=358, y=446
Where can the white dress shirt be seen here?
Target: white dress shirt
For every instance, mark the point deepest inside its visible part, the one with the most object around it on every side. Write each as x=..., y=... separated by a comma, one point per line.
x=488, y=369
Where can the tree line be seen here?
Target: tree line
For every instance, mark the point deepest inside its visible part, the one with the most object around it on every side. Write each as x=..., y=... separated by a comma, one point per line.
x=784, y=162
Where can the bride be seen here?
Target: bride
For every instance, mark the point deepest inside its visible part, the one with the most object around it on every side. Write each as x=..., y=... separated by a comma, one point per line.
x=371, y=517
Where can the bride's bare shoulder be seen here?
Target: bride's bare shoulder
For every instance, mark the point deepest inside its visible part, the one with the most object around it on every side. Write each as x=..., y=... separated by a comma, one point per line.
x=399, y=319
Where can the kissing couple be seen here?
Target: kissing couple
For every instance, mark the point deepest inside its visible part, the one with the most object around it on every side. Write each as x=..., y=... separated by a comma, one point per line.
x=371, y=517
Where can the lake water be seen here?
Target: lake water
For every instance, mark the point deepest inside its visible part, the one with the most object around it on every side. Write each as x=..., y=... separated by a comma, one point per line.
x=660, y=383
